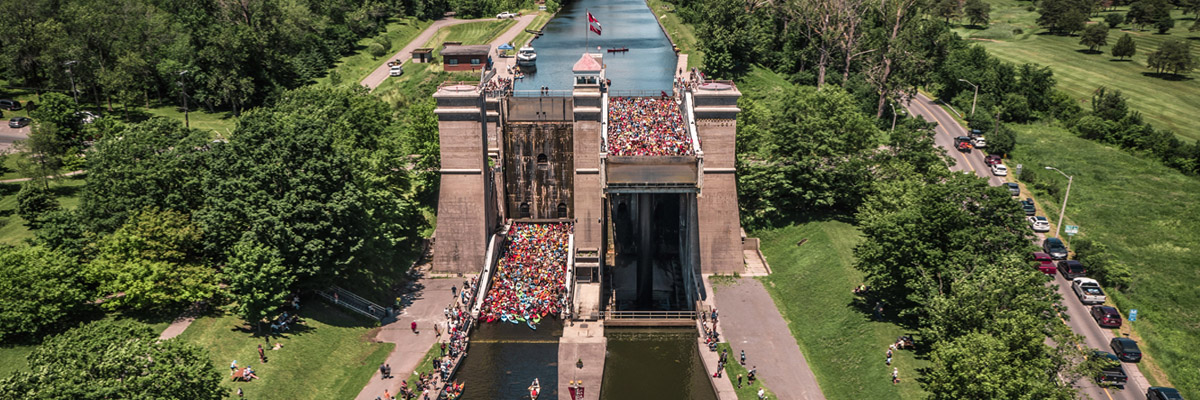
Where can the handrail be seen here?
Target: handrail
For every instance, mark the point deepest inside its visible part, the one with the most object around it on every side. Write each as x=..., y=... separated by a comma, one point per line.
x=650, y=314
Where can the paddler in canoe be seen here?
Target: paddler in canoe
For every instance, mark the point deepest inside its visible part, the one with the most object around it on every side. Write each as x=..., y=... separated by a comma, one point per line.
x=535, y=389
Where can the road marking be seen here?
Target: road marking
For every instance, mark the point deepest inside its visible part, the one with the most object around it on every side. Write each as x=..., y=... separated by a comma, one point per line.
x=947, y=132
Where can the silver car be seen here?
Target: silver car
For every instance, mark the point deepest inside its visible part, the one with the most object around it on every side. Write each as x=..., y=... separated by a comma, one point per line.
x=1039, y=223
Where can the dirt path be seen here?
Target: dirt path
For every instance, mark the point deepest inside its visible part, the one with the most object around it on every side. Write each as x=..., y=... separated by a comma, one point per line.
x=18, y=180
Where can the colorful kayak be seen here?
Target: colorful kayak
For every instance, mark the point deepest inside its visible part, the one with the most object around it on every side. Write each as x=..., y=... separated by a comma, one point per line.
x=535, y=389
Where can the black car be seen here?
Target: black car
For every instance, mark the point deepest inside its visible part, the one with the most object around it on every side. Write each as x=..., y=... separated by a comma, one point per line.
x=1029, y=207
x=10, y=104
x=1126, y=349
x=1163, y=393
x=1071, y=269
x=19, y=122
x=1112, y=373
x=1055, y=248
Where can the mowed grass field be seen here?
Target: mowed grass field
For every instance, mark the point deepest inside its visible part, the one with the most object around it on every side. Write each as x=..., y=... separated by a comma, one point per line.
x=1168, y=104
x=811, y=285
x=12, y=226
x=327, y=357
x=1149, y=217
x=683, y=34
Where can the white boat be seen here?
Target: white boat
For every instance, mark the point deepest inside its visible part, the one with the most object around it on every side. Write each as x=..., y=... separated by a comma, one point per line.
x=526, y=57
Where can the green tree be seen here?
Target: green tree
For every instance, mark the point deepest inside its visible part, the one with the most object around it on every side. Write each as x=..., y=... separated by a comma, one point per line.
x=258, y=281
x=41, y=291
x=948, y=9
x=1147, y=12
x=115, y=359
x=1125, y=47
x=978, y=12
x=376, y=50
x=1164, y=24
x=1064, y=16
x=383, y=42
x=44, y=150
x=1113, y=20
x=1173, y=56
x=1014, y=108
x=59, y=109
x=1101, y=263
x=1109, y=104
x=34, y=201
x=1094, y=36
x=1002, y=141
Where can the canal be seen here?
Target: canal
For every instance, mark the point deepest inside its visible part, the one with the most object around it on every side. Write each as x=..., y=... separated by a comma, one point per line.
x=503, y=359
x=658, y=363
x=648, y=65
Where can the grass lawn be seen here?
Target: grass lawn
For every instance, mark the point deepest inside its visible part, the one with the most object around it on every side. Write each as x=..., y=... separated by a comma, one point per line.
x=9, y=167
x=683, y=34
x=537, y=24
x=1146, y=214
x=12, y=226
x=424, y=367
x=355, y=67
x=482, y=32
x=1168, y=104
x=811, y=285
x=733, y=369
x=328, y=357
x=12, y=358
x=220, y=123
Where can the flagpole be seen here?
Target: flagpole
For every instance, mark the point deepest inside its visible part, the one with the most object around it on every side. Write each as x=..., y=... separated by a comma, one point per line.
x=586, y=36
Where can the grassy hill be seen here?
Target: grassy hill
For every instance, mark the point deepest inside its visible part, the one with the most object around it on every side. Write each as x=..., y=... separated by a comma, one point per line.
x=1014, y=36
x=1147, y=214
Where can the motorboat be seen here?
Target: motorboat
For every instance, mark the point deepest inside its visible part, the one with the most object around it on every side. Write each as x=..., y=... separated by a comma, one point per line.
x=526, y=57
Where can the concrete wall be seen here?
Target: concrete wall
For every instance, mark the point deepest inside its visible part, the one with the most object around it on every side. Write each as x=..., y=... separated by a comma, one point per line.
x=539, y=169
x=719, y=219
x=466, y=206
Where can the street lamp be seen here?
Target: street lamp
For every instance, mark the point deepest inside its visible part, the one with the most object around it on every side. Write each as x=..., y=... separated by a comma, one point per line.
x=74, y=93
x=976, y=95
x=1062, y=215
x=183, y=85
x=893, y=116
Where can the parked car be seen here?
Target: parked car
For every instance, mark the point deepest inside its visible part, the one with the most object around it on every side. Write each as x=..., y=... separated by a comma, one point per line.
x=506, y=14
x=1163, y=393
x=19, y=122
x=992, y=160
x=999, y=170
x=1106, y=316
x=1013, y=188
x=1055, y=248
x=1113, y=373
x=979, y=142
x=1088, y=290
x=1126, y=349
x=1071, y=269
x=396, y=70
x=1045, y=263
x=10, y=104
x=1029, y=206
x=1039, y=223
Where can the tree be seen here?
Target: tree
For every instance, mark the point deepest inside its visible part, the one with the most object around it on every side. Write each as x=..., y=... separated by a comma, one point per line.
x=59, y=109
x=1064, y=16
x=1125, y=47
x=34, y=201
x=1108, y=270
x=258, y=281
x=115, y=359
x=1109, y=104
x=977, y=12
x=1164, y=24
x=376, y=50
x=40, y=290
x=948, y=9
x=1174, y=56
x=1002, y=141
x=1147, y=12
x=1095, y=35
x=1113, y=20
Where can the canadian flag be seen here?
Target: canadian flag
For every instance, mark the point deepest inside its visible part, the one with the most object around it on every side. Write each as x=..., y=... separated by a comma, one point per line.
x=595, y=28
x=592, y=19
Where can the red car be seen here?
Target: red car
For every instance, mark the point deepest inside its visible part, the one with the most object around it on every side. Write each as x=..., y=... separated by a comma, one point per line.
x=1106, y=316
x=1045, y=263
x=992, y=160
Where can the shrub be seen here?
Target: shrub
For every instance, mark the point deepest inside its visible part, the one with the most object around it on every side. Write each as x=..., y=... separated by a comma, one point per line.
x=1114, y=19
x=376, y=50
x=1101, y=263
x=1018, y=31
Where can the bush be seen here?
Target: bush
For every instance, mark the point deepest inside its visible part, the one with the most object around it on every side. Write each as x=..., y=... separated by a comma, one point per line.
x=1002, y=141
x=1029, y=176
x=35, y=200
x=1114, y=19
x=384, y=42
x=376, y=50
x=1101, y=263
x=1018, y=31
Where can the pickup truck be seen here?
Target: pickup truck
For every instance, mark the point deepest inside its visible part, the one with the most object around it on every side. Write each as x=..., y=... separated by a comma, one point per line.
x=1088, y=290
x=1113, y=373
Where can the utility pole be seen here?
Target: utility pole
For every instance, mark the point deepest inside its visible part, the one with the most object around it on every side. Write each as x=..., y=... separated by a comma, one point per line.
x=1062, y=215
x=74, y=93
x=183, y=85
x=974, y=100
x=893, y=116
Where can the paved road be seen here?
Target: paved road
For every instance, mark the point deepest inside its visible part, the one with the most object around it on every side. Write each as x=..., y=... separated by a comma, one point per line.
x=1080, y=320
x=501, y=64
x=9, y=136
x=947, y=129
x=751, y=322
x=429, y=300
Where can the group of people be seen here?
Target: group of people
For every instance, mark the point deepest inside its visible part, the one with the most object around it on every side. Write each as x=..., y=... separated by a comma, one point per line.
x=242, y=374
x=498, y=86
x=284, y=321
x=711, y=337
x=530, y=277
x=646, y=126
x=902, y=342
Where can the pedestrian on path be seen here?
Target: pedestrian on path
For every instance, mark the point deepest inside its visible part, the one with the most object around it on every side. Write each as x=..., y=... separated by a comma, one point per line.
x=414, y=328
x=895, y=376
x=743, y=357
x=453, y=291
x=382, y=372
x=262, y=356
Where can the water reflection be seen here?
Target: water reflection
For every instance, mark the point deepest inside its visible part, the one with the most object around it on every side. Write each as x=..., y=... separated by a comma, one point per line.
x=660, y=364
x=648, y=65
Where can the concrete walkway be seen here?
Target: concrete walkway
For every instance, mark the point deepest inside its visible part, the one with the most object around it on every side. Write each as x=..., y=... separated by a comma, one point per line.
x=430, y=296
x=581, y=341
x=184, y=320
x=750, y=322
x=501, y=64
x=18, y=180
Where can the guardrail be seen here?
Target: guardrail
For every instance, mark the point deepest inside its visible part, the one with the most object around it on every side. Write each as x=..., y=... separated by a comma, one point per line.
x=353, y=302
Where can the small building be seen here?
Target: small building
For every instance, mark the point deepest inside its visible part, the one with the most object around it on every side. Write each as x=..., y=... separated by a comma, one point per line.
x=422, y=55
x=466, y=58
x=589, y=70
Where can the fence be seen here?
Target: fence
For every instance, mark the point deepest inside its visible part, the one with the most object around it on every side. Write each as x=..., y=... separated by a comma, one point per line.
x=353, y=302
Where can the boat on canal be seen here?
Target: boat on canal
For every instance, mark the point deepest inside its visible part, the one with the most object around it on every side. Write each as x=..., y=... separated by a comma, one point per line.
x=618, y=50
x=535, y=389
x=526, y=57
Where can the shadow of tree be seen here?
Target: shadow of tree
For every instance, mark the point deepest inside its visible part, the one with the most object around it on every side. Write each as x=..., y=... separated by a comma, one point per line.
x=1089, y=51
x=1168, y=76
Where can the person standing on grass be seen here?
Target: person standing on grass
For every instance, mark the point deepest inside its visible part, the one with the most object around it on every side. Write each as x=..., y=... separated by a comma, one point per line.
x=895, y=376
x=739, y=383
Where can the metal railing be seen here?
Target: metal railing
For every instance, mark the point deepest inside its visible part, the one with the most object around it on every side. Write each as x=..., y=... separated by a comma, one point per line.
x=649, y=315
x=540, y=93
x=353, y=302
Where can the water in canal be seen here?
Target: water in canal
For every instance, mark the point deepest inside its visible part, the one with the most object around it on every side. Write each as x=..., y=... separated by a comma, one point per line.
x=657, y=363
x=503, y=359
x=648, y=65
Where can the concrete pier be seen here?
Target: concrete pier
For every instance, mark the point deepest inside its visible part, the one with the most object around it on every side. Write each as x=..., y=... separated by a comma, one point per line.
x=582, y=341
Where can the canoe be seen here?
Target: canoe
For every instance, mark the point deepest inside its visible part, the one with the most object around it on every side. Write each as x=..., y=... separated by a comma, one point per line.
x=535, y=389
x=618, y=50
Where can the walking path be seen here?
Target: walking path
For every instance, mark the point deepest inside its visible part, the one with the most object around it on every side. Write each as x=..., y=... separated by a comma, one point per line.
x=501, y=64
x=428, y=301
x=17, y=180
x=184, y=320
x=750, y=321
